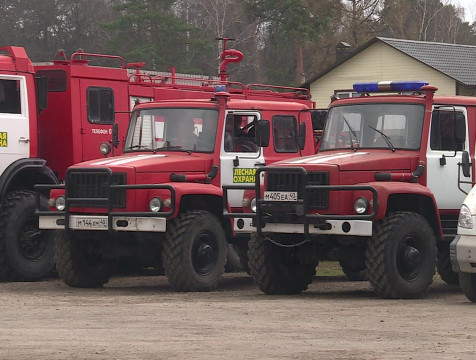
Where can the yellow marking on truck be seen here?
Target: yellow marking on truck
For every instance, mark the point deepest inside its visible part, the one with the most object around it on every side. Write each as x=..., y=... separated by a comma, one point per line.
x=3, y=139
x=244, y=175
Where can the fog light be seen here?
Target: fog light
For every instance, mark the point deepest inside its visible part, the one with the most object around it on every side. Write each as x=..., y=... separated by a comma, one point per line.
x=168, y=203
x=105, y=148
x=60, y=203
x=361, y=205
x=246, y=202
x=155, y=204
x=51, y=202
x=253, y=205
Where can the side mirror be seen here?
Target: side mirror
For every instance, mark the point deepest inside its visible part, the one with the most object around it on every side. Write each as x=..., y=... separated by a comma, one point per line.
x=262, y=133
x=41, y=93
x=302, y=135
x=460, y=130
x=115, y=135
x=466, y=164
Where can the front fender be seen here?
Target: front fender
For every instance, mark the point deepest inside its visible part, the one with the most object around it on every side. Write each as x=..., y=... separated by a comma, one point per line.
x=412, y=191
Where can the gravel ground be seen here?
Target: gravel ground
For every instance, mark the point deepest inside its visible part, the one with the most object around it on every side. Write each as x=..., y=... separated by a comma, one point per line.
x=142, y=318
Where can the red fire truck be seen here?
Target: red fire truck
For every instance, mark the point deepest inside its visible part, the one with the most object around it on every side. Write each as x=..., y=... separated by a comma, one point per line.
x=382, y=195
x=39, y=142
x=162, y=199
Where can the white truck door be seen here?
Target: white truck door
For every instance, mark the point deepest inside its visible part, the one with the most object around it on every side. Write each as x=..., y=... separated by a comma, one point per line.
x=14, y=120
x=443, y=156
x=239, y=154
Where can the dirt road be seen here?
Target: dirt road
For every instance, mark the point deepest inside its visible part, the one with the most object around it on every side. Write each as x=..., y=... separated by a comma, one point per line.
x=142, y=318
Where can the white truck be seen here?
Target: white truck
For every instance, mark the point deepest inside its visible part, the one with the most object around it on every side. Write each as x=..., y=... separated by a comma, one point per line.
x=463, y=247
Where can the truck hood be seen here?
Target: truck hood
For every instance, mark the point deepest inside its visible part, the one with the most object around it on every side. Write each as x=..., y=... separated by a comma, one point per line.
x=352, y=161
x=154, y=163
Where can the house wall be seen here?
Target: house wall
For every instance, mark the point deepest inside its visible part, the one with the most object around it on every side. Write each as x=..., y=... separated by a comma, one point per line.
x=379, y=62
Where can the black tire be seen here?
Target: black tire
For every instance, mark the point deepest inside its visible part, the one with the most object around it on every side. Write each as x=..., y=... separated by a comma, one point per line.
x=352, y=262
x=443, y=266
x=467, y=283
x=26, y=252
x=194, y=253
x=233, y=261
x=401, y=256
x=354, y=275
x=242, y=250
x=279, y=270
x=80, y=259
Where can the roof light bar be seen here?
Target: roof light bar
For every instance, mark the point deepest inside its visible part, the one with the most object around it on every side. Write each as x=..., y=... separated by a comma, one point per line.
x=389, y=86
x=220, y=88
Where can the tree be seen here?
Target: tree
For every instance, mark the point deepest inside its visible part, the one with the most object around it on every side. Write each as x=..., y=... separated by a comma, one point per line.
x=150, y=30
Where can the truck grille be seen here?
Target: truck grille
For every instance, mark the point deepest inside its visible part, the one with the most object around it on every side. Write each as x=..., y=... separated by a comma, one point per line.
x=95, y=185
x=282, y=181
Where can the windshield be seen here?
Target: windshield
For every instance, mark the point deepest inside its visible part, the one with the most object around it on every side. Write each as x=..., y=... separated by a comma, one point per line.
x=180, y=129
x=394, y=126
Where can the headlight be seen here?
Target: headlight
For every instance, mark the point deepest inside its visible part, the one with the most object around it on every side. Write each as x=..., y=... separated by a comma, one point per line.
x=465, y=220
x=105, y=148
x=253, y=205
x=361, y=205
x=60, y=203
x=155, y=204
x=245, y=202
x=168, y=203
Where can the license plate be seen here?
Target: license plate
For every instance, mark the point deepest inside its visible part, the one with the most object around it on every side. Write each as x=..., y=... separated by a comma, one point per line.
x=91, y=223
x=280, y=196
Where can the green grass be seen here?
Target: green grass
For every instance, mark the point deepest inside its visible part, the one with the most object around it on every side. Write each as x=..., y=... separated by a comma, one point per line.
x=329, y=268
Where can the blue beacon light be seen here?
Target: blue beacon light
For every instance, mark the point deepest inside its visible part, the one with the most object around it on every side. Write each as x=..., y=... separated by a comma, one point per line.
x=389, y=86
x=220, y=88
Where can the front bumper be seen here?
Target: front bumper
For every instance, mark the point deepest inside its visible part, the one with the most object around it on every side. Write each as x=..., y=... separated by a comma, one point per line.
x=330, y=227
x=302, y=221
x=109, y=219
x=463, y=253
x=98, y=223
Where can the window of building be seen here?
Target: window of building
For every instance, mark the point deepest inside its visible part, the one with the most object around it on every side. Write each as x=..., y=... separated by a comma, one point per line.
x=100, y=105
x=285, y=134
x=343, y=94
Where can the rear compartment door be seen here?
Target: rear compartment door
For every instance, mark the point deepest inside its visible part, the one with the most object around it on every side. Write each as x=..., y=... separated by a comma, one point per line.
x=102, y=104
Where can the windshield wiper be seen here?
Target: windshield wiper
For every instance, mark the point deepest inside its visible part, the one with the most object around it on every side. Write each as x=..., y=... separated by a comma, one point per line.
x=352, y=132
x=385, y=137
x=138, y=147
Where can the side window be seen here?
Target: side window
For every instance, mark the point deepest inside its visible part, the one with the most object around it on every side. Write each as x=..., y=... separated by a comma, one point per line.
x=285, y=134
x=56, y=79
x=10, y=102
x=442, y=130
x=240, y=133
x=100, y=105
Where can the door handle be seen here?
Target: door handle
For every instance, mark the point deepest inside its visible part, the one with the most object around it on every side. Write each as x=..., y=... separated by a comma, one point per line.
x=24, y=140
x=260, y=164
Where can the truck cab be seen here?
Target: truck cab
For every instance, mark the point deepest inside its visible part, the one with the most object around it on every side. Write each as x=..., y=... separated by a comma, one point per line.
x=382, y=195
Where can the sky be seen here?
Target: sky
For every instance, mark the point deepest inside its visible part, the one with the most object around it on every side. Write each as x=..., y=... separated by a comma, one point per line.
x=469, y=9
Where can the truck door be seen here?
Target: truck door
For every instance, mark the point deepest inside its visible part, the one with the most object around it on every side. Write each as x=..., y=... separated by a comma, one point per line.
x=239, y=155
x=14, y=120
x=102, y=103
x=443, y=156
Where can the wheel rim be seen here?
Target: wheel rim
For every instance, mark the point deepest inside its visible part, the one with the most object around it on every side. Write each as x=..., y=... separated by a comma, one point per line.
x=204, y=253
x=409, y=259
x=32, y=242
